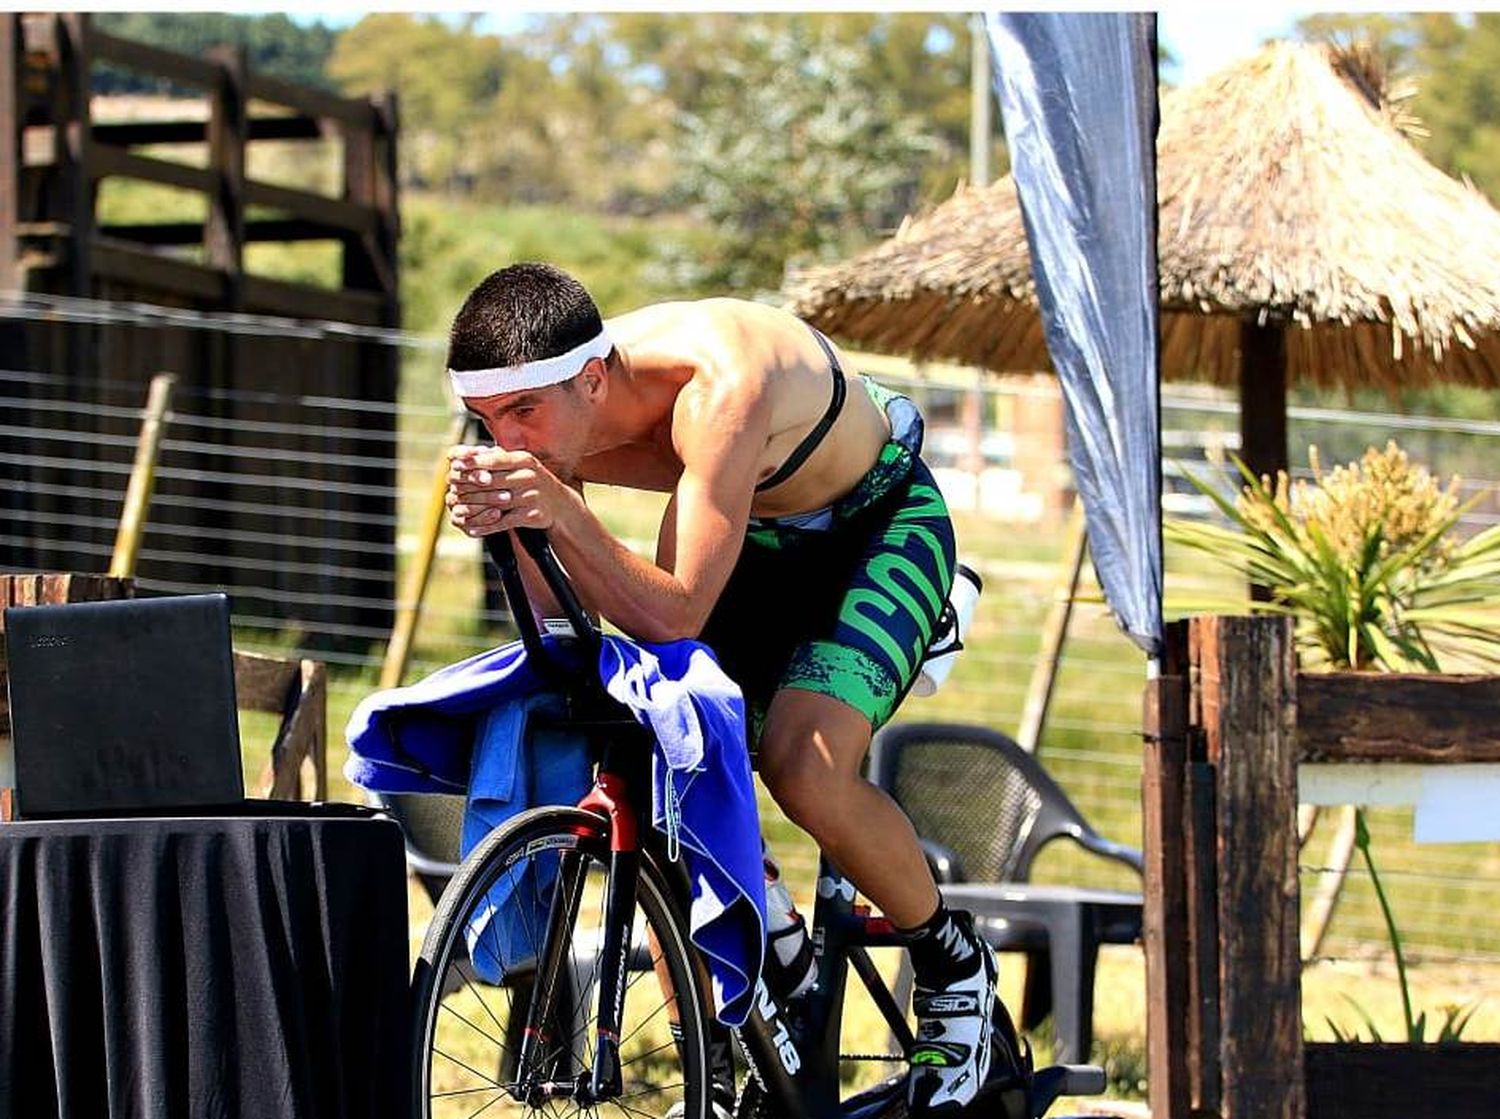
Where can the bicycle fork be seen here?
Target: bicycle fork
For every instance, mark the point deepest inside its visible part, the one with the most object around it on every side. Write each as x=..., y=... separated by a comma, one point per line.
x=605, y=1081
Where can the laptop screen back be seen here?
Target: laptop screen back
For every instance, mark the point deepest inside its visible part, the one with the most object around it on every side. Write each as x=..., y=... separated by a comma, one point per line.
x=123, y=706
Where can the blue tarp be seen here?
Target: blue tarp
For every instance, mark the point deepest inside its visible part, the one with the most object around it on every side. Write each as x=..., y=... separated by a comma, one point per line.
x=1078, y=97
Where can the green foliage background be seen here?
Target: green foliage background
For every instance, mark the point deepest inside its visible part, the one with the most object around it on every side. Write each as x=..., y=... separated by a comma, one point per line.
x=274, y=44
x=787, y=138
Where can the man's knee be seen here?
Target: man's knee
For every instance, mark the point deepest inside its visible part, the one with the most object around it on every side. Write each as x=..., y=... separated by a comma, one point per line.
x=810, y=752
x=793, y=774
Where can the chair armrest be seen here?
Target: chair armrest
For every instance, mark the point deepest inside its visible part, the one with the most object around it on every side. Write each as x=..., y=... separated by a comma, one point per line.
x=944, y=863
x=433, y=868
x=1109, y=849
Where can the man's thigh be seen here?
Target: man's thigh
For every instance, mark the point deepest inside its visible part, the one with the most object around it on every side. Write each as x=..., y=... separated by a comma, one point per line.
x=888, y=611
x=813, y=735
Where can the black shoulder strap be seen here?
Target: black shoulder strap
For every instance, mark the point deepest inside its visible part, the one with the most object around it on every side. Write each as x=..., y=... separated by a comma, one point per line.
x=815, y=436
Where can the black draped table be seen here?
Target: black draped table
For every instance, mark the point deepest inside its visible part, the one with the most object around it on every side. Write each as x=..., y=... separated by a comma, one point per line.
x=245, y=968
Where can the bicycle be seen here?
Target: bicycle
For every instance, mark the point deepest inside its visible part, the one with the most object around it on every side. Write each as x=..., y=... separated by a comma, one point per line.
x=602, y=1005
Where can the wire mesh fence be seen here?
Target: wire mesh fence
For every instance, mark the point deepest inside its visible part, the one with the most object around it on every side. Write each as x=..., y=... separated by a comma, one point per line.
x=288, y=574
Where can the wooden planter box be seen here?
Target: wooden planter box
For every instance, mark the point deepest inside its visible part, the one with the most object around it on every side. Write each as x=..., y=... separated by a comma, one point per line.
x=1360, y=1080
x=1228, y=723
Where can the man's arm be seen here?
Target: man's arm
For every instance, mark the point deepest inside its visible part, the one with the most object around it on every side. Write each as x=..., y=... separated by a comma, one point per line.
x=464, y=486
x=720, y=439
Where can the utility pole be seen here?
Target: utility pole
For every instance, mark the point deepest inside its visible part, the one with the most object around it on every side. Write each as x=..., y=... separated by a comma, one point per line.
x=973, y=417
x=980, y=93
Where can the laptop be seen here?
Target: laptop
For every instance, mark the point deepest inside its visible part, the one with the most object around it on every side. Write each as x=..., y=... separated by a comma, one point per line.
x=124, y=707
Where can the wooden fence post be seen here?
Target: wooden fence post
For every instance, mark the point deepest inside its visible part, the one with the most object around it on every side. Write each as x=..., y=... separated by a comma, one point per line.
x=228, y=134
x=1248, y=685
x=1054, y=635
x=10, y=148
x=142, y=482
x=72, y=121
x=1205, y=1078
x=1165, y=927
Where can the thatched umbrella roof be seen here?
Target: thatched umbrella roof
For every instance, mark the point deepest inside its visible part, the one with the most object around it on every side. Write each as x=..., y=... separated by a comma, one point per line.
x=1288, y=194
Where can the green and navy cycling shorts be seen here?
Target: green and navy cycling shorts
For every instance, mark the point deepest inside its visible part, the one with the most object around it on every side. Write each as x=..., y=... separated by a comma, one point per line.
x=846, y=610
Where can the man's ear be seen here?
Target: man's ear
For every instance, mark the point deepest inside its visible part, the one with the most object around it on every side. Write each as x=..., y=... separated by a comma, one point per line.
x=594, y=382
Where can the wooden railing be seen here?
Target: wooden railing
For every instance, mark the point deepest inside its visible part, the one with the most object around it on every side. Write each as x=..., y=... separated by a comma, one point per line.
x=52, y=185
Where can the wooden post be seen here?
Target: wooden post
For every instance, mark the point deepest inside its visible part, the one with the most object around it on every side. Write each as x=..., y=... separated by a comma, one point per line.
x=297, y=690
x=1248, y=686
x=228, y=133
x=142, y=476
x=1054, y=634
x=72, y=139
x=1205, y=1077
x=1263, y=442
x=1325, y=898
x=10, y=149
x=974, y=423
x=1165, y=927
x=388, y=214
x=370, y=180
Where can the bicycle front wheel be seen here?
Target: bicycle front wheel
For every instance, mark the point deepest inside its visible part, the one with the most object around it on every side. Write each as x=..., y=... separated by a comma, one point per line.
x=479, y=972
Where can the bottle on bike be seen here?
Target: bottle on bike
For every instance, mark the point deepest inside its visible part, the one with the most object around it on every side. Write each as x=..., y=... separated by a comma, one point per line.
x=790, y=965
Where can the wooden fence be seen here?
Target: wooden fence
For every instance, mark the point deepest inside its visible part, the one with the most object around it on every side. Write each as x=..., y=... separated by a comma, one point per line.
x=253, y=380
x=1227, y=725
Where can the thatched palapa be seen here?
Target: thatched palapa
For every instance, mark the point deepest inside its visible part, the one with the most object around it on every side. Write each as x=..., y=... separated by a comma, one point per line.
x=1289, y=198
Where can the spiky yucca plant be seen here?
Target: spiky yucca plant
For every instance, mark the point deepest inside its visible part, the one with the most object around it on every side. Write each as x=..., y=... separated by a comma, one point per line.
x=1366, y=559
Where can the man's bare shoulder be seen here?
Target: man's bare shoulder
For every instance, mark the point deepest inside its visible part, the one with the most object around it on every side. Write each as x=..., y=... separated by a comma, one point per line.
x=698, y=323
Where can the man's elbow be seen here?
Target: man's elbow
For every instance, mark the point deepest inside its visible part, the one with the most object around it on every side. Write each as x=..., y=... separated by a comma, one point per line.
x=680, y=623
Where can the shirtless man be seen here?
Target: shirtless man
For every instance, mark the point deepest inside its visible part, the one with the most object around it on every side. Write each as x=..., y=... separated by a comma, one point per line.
x=804, y=541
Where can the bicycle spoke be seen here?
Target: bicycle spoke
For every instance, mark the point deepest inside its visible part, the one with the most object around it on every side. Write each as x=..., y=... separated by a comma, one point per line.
x=649, y=1053
x=655, y=1089
x=468, y=1068
x=480, y=999
x=642, y=1025
x=572, y=1037
x=485, y=1108
x=629, y=1110
x=463, y=1092
x=586, y=995
x=492, y=1040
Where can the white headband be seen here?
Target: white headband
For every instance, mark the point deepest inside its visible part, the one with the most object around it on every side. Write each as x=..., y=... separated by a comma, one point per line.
x=530, y=374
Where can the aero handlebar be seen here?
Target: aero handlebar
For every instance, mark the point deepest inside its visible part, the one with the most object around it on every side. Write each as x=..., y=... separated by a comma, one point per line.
x=502, y=553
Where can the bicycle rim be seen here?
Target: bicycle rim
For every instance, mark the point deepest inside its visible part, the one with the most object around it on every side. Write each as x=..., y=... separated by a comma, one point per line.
x=476, y=977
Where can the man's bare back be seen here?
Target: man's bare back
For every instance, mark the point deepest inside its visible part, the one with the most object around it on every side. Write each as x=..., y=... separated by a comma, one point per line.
x=716, y=348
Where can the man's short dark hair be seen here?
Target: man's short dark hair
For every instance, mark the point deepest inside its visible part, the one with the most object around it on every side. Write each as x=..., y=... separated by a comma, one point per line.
x=525, y=312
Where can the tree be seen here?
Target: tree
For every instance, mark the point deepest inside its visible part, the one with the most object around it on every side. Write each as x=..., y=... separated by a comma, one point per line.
x=796, y=154
x=447, y=78
x=274, y=45
x=1458, y=98
x=920, y=61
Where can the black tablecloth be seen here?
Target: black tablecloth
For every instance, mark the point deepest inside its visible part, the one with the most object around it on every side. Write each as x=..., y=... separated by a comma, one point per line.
x=251, y=968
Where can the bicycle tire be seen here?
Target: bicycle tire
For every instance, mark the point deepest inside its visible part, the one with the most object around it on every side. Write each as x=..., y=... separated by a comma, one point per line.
x=445, y=976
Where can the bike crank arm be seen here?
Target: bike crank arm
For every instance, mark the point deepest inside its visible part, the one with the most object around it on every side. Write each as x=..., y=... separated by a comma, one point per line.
x=614, y=959
x=1048, y=1084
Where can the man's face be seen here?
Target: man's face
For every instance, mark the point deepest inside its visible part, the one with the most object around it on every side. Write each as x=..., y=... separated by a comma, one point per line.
x=551, y=423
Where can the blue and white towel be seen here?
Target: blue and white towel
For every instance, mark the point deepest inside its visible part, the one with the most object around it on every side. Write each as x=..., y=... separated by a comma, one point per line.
x=423, y=738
